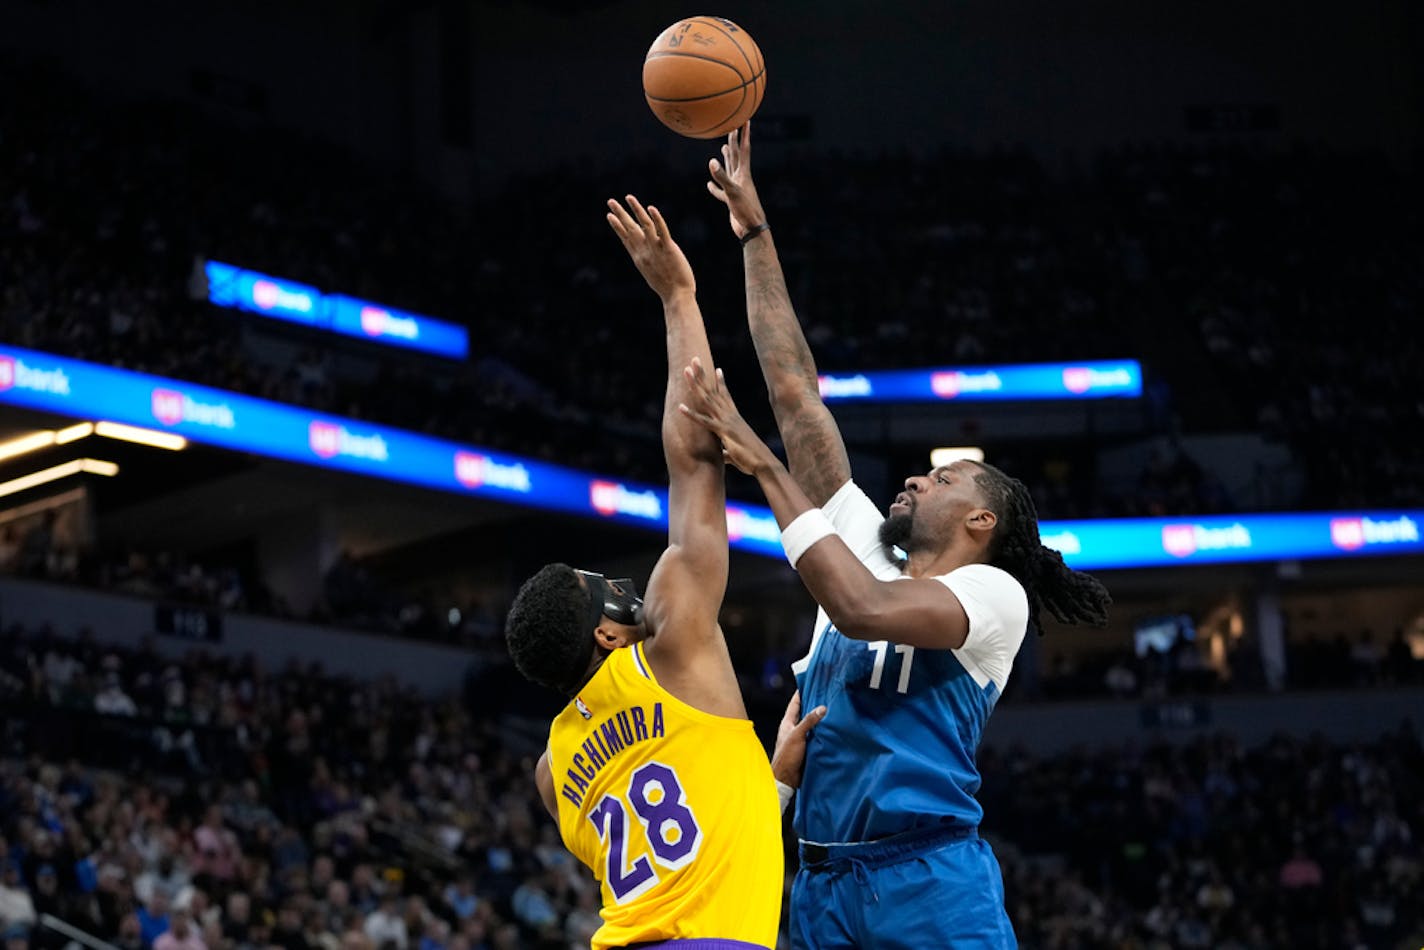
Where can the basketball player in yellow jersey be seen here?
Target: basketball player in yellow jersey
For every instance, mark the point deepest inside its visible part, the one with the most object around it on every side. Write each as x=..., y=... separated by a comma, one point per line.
x=653, y=771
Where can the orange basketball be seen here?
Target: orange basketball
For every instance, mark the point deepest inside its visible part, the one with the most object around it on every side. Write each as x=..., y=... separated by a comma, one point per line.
x=704, y=76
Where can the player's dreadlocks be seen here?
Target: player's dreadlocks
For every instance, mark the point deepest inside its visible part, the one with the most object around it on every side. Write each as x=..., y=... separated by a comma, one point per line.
x=1071, y=596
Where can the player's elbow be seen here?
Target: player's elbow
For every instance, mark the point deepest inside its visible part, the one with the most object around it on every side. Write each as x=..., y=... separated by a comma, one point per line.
x=860, y=616
x=791, y=391
x=686, y=451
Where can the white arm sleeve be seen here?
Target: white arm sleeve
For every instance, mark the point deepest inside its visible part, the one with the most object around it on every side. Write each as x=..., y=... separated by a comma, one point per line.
x=858, y=521
x=997, y=607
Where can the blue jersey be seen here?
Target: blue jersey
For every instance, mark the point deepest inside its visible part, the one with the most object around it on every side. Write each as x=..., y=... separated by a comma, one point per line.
x=895, y=751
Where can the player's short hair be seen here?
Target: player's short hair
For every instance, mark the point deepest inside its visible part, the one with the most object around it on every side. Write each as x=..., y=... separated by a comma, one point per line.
x=547, y=630
x=1071, y=596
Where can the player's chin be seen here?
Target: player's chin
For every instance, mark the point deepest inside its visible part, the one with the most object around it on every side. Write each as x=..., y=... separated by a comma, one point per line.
x=895, y=529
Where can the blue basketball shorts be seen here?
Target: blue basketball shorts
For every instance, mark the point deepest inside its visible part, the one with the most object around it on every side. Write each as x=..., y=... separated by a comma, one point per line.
x=922, y=890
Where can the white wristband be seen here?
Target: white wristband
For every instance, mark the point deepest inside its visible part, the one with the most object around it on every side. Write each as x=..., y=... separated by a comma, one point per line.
x=805, y=530
x=784, y=792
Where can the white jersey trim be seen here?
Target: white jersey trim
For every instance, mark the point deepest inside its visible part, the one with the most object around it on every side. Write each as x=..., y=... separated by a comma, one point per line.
x=997, y=607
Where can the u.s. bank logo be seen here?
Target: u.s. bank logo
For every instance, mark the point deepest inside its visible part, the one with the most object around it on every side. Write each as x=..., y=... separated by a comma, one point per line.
x=167, y=406
x=373, y=320
x=266, y=294
x=324, y=438
x=1077, y=379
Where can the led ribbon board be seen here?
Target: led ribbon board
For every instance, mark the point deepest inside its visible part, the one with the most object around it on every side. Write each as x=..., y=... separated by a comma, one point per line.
x=1100, y=379
x=86, y=391
x=234, y=421
x=279, y=299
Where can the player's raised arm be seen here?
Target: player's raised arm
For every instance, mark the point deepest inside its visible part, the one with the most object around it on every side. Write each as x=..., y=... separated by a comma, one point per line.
x=917, y=612
x=814, y=448
x=693, y=571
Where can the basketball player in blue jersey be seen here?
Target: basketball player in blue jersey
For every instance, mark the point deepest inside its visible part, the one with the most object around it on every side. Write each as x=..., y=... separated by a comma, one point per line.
x=907, y=657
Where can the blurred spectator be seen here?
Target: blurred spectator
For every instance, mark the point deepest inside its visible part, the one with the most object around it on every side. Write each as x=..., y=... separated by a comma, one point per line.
x=386, y=926
x=111, y=699
x=180, y=935
x=17, y=907
x=166, y=877
x=215, y=849
x=153, y=916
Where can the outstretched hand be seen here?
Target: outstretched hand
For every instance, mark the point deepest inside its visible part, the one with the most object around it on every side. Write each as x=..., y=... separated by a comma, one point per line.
x=732, y=184
x=788, y=760
x=646, y=238
x=710, y=406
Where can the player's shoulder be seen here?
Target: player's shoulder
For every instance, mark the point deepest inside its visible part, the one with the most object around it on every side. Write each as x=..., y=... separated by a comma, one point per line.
x=990, y=587
x=983, y=574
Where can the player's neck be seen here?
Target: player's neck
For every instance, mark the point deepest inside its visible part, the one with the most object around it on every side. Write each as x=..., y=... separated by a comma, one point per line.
x=932, y=563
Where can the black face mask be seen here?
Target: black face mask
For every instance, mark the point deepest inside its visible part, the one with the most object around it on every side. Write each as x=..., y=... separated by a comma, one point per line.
x=621, y=606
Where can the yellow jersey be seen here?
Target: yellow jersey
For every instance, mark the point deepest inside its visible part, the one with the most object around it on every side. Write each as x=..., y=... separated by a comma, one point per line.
x=674, y=809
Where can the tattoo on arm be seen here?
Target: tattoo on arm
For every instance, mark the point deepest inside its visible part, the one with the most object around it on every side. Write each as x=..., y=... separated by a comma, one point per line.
x=816, y=453
x=814, y=448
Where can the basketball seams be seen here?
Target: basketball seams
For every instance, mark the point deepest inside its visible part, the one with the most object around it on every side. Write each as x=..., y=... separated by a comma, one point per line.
x=707, y=59
x=751, y=67
x=679, y=75
x=741, y=104
x=711, y=95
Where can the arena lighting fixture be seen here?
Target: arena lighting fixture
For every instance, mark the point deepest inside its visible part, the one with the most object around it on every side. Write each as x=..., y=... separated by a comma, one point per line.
x=943, y=456
x=80, y=430
x=26, y=443
x=64, y=470
x=159, y=440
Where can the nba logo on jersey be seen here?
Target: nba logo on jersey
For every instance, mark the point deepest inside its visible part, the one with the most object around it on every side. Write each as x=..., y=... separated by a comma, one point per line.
x=583, y=710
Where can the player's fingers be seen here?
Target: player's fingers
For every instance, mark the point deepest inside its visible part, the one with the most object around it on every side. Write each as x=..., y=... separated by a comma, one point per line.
x=717, y=192
x=621, y=230
x=697, y=380
x=719, y=173
x=811, y=719
x=744, y=138
x=617, y=211
x=793, y=708
x=659, y=225
x=641, y=215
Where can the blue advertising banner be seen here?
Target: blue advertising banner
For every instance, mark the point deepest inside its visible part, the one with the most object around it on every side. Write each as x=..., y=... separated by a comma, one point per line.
x=86, y=391
x=240, y=289
x=1100, y=379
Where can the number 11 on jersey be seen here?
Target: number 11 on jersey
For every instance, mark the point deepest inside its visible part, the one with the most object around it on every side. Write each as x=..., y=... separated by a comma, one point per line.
x=880, y=648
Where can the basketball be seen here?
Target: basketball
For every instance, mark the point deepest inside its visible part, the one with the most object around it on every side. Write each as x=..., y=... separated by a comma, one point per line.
x=703, y=77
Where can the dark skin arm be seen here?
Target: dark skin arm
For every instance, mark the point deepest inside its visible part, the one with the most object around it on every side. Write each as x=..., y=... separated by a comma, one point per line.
x=814, y=447
x=687, y=650
x=544, y=781
x=919, y=612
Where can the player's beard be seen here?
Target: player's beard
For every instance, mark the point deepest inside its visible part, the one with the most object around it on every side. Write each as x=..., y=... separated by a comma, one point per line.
x=895, y=532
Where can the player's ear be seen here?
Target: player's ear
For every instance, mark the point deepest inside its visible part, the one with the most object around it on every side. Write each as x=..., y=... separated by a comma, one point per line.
x=982, y=521
x=611, y=636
